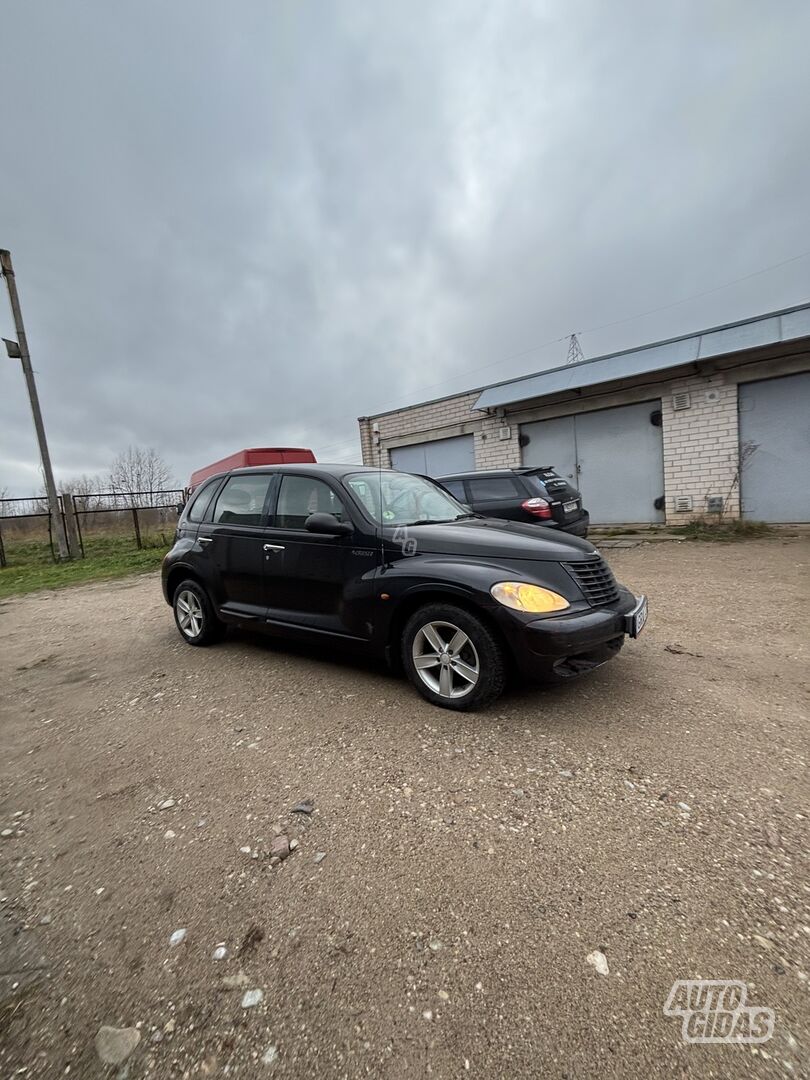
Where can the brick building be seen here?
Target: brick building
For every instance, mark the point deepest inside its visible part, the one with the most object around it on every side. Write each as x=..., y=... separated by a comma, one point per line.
x=653, y=434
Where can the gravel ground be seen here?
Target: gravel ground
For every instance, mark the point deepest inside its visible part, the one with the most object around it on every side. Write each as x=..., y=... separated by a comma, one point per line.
x=455, y=872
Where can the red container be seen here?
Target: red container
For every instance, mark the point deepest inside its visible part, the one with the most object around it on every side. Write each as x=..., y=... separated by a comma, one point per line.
x=259, y=455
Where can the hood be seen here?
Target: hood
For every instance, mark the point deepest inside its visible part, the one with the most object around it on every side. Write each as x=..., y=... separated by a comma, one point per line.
x=493, y=538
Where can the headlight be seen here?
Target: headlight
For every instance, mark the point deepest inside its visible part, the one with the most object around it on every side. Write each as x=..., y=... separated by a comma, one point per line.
x=529, y=598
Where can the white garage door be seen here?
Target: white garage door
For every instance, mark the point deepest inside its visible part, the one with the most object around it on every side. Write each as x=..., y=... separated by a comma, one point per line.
x=614, y=456
x=775, y=448
x=437, y=457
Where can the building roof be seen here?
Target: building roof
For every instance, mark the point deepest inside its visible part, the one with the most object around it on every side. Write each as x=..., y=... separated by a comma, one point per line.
x=770, y=329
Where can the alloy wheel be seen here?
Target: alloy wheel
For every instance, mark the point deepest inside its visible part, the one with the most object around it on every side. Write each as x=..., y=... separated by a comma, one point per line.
x=446, y=659
x=189, y=613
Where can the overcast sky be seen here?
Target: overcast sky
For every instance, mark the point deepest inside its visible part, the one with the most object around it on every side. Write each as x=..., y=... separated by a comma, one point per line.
x=247, y=224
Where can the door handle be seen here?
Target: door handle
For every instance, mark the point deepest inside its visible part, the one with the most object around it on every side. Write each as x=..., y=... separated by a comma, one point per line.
x=205, y=539
x=273, y=547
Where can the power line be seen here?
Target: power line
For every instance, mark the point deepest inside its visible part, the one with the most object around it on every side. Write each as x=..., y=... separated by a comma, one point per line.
x=603, y=326
x=338, y=446
x=696, y=296
x=483, y=367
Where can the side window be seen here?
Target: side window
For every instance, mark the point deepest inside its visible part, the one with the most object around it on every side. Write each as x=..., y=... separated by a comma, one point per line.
x=492, y=487
x=301, y=496
x=242, y=499
x=456, y=489
x=200, y=501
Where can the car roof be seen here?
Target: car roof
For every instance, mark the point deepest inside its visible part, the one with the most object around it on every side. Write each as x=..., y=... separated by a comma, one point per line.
x=524, y=471
x=309, y=468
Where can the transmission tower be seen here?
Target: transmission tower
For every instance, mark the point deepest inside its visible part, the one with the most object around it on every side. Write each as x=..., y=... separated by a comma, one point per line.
x=575, y=353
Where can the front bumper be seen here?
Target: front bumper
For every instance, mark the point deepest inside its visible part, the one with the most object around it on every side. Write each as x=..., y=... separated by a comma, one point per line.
x=570, y=644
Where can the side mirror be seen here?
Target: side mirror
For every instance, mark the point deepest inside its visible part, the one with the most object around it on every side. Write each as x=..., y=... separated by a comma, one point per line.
x=327, y=525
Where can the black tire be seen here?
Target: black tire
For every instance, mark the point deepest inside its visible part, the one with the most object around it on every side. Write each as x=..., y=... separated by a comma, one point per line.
x=481, y=653
x=202, y=615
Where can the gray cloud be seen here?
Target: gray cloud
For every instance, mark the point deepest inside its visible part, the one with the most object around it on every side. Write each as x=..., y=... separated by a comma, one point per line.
x=250, y=226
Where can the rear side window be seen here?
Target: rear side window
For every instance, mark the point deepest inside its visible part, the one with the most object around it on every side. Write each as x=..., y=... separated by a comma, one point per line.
x=301, y=496
x=493, y=487
x=456, y=488
x=201, y=500
x=241, y=501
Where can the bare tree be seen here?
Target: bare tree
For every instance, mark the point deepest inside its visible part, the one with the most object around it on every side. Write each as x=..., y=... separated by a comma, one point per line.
x=84, y=486
x=139, y=469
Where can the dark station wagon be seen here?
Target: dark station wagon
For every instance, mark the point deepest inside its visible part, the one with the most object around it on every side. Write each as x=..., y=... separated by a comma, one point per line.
x=536, y=495
x=391, y=564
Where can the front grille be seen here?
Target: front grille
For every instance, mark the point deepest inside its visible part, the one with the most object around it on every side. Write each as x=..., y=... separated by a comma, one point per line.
x=595, y=579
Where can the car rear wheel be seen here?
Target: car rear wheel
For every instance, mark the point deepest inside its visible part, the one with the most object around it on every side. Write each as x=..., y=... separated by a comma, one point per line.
x=195, y=616
x=452, y=657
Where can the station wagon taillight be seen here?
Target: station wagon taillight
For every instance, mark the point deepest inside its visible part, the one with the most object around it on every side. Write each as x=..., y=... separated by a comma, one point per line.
x=537, y=507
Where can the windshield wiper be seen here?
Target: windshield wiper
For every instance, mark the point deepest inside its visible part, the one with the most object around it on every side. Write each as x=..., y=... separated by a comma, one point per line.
x=428, y=521
x=436, y=521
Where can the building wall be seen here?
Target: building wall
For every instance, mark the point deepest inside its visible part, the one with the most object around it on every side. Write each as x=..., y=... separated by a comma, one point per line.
x=440, y=419
x=701, y=446
x=701, y=442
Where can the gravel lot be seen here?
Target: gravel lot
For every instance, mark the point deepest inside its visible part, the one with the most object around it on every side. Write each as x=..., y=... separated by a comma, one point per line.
x=656, y=811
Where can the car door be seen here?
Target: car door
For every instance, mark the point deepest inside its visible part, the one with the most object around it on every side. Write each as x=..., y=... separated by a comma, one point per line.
x=496, y=496
x=316, y=582
x=233, y=540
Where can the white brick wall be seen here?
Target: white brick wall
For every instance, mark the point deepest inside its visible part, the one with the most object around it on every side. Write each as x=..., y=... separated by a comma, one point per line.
x=701, y=445
x=493, y=452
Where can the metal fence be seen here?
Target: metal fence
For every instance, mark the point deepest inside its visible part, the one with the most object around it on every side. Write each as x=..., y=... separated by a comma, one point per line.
x=147, y=517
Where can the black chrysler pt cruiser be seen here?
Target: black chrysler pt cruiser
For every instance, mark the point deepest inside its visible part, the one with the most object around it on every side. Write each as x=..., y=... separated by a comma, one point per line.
x=392, y=564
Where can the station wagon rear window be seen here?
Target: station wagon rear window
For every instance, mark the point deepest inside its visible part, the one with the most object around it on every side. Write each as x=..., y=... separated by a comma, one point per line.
x=492, y=487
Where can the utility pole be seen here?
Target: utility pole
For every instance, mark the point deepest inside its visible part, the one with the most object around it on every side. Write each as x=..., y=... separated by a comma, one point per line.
x=22, y=352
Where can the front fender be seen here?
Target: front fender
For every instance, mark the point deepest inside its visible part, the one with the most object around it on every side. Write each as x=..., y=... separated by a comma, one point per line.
x=432, y=577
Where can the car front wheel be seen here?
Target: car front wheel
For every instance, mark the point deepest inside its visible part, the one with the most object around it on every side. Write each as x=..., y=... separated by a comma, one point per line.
x=195, y=616
x=452, y=657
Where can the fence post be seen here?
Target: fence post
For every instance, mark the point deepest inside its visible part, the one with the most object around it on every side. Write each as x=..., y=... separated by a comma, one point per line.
x=137, y=525
x=72, y=532
x=2, y=549
x=78, y=520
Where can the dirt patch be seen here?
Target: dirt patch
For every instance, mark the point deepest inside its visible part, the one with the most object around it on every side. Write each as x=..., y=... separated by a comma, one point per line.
x=440, y=907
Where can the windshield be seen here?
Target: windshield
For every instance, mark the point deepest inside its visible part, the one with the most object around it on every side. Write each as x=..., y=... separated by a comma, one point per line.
x=396, y=498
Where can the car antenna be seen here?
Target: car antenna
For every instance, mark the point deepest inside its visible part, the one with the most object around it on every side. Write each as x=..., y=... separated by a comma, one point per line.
x=375, y=429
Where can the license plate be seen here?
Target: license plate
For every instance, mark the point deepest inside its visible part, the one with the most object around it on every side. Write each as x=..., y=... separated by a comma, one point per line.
x=634, y=622
x=569, y=506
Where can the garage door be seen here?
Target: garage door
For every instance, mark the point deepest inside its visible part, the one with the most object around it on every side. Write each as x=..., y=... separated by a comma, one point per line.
x=775, y=448
x=437, y=457
x=614, y=456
